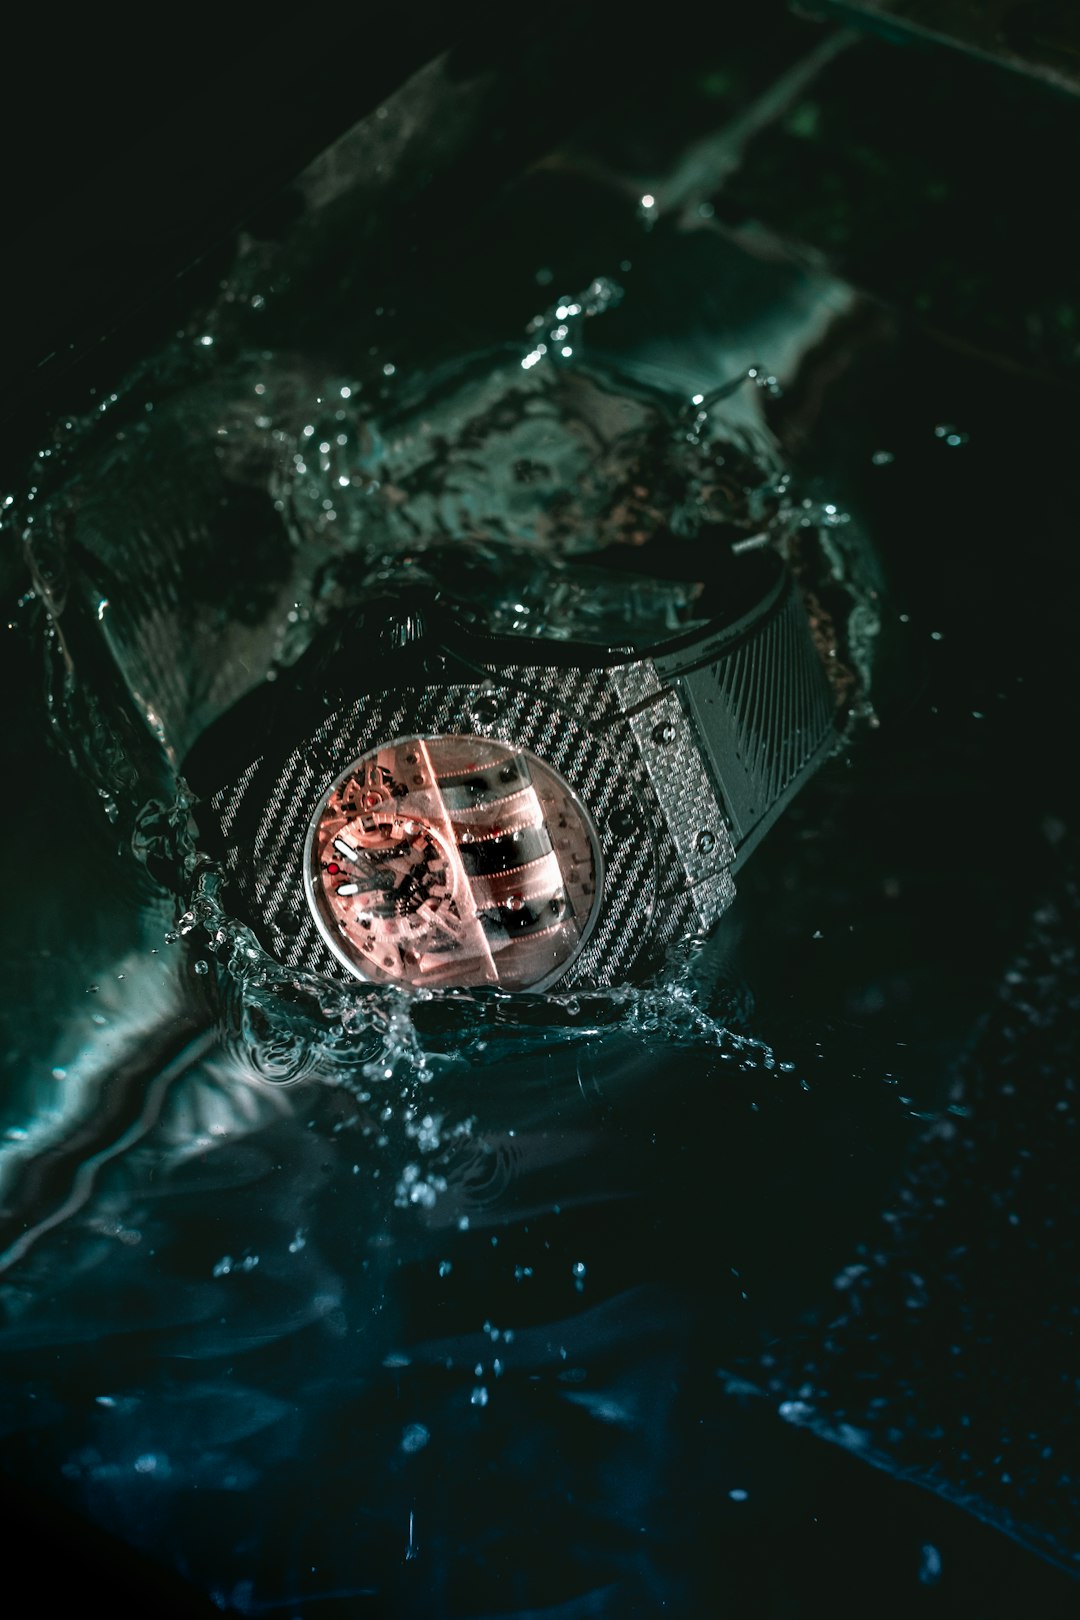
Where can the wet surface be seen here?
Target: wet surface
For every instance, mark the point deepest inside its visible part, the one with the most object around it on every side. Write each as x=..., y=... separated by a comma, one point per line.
x=754, y=1286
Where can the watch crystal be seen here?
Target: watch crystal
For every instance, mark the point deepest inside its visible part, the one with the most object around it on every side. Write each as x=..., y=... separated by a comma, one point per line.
x=453, y=860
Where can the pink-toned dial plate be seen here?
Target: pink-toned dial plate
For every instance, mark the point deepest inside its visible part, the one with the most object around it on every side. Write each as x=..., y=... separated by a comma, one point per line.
x=453, y=860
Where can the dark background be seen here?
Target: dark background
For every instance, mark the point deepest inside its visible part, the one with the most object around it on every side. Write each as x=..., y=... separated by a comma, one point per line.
x=938, y=182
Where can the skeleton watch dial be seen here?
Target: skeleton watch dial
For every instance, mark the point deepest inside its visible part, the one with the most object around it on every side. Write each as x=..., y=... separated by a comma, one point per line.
x=453, y=860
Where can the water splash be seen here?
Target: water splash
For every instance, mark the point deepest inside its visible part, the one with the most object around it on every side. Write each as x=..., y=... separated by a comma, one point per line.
x=547, y=498
x=557, y=333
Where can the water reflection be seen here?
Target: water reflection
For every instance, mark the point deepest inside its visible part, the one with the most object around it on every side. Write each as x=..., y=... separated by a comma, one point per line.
x=345, y=1301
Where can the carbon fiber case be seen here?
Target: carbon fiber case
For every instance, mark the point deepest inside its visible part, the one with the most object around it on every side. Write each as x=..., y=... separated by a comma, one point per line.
x=576, y=721
x=682, y=761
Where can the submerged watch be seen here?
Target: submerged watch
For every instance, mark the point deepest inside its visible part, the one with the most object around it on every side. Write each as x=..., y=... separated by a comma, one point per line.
x=420, y=803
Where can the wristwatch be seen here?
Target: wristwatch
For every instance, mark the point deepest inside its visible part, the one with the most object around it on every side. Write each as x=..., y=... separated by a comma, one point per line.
x=422, y=803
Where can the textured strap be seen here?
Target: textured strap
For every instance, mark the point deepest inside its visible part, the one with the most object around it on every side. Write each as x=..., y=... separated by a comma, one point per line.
x=764, y=708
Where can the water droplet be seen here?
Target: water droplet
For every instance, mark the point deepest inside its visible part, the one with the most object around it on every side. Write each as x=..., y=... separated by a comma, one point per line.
x=951, y=435
x=485, y=710
x=795, y=1411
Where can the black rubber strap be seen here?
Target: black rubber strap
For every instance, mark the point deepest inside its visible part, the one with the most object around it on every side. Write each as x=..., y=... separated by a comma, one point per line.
x=754, y=686
x=763, y=707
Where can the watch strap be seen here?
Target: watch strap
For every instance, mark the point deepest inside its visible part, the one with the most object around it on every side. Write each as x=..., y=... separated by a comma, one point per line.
x=763, y=707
